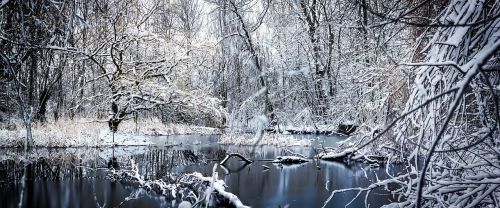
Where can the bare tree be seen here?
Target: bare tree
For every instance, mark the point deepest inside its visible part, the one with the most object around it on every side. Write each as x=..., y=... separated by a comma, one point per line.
x=30, y=29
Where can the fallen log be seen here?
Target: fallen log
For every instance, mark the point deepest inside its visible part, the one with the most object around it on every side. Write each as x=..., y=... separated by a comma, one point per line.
x=349, y=155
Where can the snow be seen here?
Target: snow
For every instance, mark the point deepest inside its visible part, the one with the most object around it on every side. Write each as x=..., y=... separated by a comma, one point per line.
x=279, y=140
x=299, y=125
x=335, y=155
x=185, y=204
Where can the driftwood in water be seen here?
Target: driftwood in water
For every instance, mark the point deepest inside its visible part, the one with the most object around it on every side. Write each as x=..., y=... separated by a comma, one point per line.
x=338, y=157
x=229, y=155
x=289, y=160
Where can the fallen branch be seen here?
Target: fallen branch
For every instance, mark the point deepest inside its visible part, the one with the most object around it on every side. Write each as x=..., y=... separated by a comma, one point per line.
x=234, y=155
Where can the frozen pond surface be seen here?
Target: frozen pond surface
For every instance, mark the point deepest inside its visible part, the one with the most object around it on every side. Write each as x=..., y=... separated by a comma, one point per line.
x=76, y=177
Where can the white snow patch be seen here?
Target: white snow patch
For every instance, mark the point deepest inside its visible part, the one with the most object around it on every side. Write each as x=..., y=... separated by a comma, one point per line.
x=457, y=36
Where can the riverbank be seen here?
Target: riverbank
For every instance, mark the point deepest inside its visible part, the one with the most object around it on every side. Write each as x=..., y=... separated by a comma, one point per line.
x=84, y=133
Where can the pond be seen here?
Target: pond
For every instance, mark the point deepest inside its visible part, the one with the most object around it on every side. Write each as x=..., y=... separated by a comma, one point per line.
x=79, y=177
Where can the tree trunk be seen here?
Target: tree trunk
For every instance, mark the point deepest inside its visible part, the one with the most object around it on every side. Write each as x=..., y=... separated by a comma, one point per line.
x=29, y=137
x=268, y=107
x=42, y=109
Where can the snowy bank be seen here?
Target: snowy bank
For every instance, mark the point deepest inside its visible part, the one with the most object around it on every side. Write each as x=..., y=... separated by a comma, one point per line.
x=96, y=134
x=279, y=140
x=345, y=128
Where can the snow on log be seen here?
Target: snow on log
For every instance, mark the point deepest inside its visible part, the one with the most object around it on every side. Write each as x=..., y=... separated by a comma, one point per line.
x=351, y=155
x=331, y=156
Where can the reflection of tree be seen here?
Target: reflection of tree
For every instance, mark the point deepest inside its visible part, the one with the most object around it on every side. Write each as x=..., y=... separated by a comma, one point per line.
x=81, y=163
x=43, y=169
x=229, y=169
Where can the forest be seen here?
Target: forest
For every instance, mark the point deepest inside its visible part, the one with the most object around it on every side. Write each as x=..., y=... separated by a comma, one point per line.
x=182, y=103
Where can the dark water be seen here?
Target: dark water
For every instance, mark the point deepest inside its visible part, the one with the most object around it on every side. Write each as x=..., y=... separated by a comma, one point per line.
x=76, y=177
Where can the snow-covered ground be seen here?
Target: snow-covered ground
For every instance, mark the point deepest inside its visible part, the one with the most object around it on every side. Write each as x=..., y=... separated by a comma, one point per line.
x=97, y=134
x=279, y=140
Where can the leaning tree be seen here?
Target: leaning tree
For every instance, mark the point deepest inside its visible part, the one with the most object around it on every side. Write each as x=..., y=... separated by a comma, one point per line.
x=448, y=135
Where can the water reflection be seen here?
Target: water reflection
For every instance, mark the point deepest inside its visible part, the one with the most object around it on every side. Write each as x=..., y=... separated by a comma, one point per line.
x=76, y=177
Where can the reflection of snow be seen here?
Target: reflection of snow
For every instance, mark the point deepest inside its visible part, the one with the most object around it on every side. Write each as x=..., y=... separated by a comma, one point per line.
x=175, y=140
x=288, y=166
x=122, y=152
